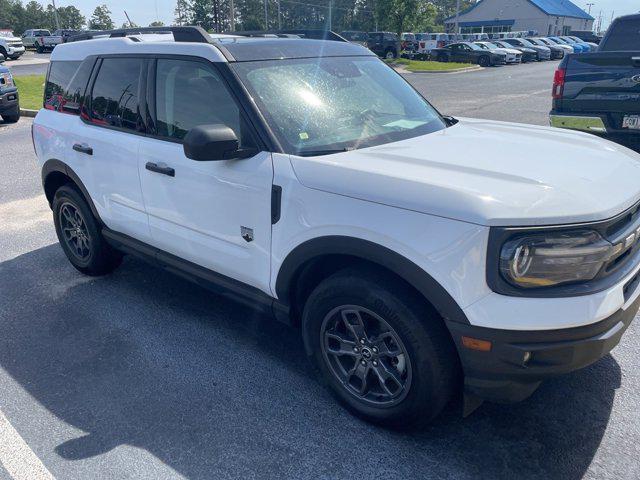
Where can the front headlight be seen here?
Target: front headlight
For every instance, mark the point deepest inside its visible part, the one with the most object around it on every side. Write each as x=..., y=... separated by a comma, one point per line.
x=548, y=259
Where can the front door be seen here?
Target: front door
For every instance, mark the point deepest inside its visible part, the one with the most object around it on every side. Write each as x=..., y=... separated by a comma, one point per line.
x=216, y=214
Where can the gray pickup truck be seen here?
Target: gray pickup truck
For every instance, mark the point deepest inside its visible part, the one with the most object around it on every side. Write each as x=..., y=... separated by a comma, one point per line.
x=599, y=92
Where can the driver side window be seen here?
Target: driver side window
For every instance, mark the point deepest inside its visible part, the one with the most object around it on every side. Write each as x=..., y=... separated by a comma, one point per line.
x=189, y=94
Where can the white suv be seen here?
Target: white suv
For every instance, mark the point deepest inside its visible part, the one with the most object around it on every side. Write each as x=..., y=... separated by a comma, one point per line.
x=418, y=253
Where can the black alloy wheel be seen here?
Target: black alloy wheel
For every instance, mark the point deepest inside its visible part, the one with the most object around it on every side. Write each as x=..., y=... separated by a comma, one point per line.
x=366, y=355
x=74, y=231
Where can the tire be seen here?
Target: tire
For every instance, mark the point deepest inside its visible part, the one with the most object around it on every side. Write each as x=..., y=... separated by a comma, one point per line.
x=3, y=53
x=420, y=380
x=390, y=54
x=90, y=254
x=11, y=118
x=39, y=49
x=484, y=61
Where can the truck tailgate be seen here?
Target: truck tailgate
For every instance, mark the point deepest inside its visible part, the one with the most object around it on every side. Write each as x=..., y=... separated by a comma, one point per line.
x=605, y=82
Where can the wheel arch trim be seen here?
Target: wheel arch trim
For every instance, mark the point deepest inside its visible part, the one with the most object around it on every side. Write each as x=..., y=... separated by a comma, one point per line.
x=366, y=250
x=54, y=165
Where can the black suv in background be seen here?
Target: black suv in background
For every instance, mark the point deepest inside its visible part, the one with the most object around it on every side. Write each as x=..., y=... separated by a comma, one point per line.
x=383, y=44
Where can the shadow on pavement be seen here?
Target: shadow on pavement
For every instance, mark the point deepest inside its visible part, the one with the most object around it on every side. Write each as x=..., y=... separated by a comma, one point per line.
x=145, y=358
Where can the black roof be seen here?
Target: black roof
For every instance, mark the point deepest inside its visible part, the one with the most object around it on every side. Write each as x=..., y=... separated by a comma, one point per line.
x=247, y=49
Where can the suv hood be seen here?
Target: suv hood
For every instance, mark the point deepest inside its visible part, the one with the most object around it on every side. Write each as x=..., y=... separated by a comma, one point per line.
x=487, y=173
x=10, y=39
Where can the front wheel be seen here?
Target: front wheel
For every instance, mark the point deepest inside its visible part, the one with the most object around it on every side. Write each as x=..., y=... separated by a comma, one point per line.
x=79, y=234
x=12, y=117
x=484, y=61
x=384, y=354
x=39, y=49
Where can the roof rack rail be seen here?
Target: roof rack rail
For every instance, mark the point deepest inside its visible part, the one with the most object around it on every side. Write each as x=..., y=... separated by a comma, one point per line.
x=180, y=33
x=302, y=33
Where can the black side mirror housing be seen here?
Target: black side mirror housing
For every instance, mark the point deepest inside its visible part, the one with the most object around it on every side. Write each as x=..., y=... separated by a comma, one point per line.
x=212, y=142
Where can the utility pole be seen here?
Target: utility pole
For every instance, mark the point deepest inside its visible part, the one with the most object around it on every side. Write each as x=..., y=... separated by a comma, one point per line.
x=279, y=17
x=232, y=16
x=55, y=14
x=330, y=5
x=457, y=16
x=590, y=5
x=128, y=19
x=266, y=16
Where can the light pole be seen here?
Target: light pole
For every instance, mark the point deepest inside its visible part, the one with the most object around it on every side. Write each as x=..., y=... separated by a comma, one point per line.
x=457, y=16
x=55, y=14
x=266, y=16
x=590, y=5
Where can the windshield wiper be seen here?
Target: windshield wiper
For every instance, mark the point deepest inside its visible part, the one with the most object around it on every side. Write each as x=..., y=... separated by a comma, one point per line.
x=326, y=151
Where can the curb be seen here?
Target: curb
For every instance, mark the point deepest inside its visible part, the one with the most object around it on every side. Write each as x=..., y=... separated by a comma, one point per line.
x=25, y=112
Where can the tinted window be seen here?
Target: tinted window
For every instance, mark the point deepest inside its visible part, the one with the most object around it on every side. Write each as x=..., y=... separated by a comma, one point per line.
x=624, y=36
x=66, y=84
x=114, y=99
x=189, y=94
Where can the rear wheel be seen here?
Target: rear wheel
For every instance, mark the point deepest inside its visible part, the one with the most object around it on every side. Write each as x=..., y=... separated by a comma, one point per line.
x=382, y=351
x=79, y=234
x=390, y=54
x=39, y=49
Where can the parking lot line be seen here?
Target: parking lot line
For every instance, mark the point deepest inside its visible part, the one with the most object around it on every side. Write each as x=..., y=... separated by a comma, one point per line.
x=16, y=457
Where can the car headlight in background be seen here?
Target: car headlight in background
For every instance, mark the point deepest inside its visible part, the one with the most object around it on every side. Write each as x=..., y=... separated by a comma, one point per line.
x=551, y=258
x=6, y=79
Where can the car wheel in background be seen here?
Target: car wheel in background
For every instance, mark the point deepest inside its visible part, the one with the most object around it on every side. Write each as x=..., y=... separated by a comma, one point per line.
x=11, y=117
x=484, y=61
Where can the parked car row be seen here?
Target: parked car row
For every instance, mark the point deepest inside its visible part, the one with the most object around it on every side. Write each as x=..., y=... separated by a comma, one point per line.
x=504, y=51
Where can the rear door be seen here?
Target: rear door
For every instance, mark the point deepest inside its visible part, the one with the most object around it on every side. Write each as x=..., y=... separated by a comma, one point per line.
x=106, y=142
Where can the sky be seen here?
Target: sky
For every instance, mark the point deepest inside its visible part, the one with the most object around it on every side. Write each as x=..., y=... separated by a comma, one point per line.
x=143, y=12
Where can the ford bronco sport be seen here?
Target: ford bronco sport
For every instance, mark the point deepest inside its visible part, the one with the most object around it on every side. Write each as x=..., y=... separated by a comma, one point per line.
x=417, y=253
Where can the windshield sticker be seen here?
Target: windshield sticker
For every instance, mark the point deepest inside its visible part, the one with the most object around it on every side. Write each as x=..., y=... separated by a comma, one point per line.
x=404, y=123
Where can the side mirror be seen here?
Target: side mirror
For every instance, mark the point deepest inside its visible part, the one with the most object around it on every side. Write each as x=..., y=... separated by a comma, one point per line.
x=212, y=142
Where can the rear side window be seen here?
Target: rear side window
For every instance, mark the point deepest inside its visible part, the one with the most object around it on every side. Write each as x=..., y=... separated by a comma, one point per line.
x=624, y=36
x=66, y=84
x=115, y=94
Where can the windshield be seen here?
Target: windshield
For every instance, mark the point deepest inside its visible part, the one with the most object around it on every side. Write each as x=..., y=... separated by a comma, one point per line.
x=473, y=46
x=526, y=42
x=318, y=105
x=490, y=45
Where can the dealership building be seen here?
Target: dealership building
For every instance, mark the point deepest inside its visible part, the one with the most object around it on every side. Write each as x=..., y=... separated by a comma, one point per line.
x=544, y=17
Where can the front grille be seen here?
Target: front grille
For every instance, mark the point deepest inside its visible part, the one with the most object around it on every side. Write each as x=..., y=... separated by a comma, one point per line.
x=624, y=230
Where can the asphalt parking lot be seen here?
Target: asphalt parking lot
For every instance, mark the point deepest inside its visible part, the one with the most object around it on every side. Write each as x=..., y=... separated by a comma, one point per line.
x=141, y=374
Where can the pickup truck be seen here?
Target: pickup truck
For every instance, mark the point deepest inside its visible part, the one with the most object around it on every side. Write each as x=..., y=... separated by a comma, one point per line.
x=10, y=46
x=9, y=106
x=49, y=42
x=599, y=92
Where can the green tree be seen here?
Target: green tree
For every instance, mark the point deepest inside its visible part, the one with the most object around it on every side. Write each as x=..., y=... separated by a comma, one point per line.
x=157, y=23
x=35, y=16
x=71, y=18
x=182, y=12
x=101, y=19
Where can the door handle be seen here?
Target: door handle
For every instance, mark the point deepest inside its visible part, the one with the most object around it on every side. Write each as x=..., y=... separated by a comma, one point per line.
x=154, y=167
x=83, y=148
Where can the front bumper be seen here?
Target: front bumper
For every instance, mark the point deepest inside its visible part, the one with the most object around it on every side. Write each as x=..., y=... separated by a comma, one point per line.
x=518, y=361
x=15, y=52
x=9, y=101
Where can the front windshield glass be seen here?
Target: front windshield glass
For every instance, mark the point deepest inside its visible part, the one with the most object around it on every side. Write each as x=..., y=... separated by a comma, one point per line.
x=491, y=46
x=536, y=42
x=473, y=46
x=320, y=105
x=526, y=42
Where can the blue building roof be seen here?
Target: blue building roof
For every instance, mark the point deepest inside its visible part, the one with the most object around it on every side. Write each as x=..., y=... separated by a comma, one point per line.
x=560, y=8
